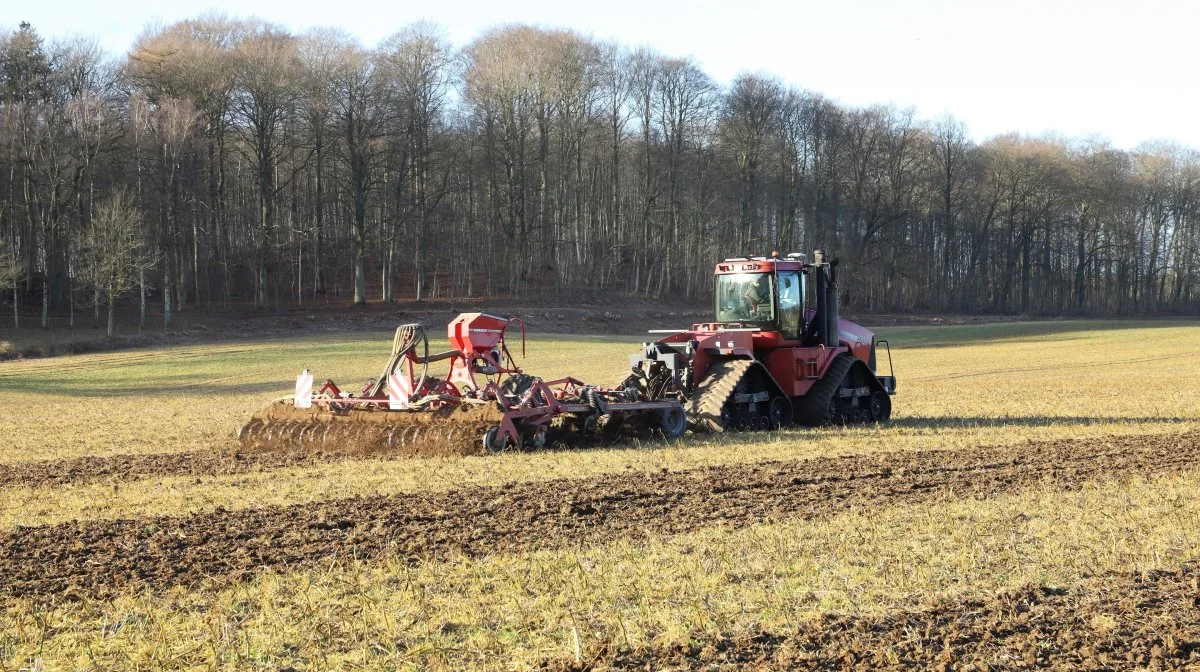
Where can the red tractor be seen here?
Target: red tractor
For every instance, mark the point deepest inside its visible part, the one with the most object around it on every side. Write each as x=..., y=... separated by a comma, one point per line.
x=777, y=353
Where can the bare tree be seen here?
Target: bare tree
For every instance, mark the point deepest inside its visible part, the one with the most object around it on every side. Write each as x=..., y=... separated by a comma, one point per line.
x=265, y=102
x=321, y=55
x=116, y=251
x=194, y=60
x=747, y=121
x=686, y=100
x=950, y=150
x=498, y=85
x=616, y=82
x=359, y=116
x=418, y=61
x=645, y=70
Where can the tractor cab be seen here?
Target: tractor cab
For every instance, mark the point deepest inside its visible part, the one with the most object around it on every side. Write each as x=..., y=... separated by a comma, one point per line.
x=767, y=294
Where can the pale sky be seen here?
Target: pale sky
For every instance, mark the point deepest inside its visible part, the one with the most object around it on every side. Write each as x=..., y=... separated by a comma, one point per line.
x=1122, y=70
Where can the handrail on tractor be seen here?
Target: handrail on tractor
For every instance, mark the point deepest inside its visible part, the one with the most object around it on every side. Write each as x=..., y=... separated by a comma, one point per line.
x=891, y=369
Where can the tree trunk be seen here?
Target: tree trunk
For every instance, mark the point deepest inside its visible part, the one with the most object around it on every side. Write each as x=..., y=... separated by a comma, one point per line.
x=46, y=299
x=319, y=217
x=260, y=271
x=110, y=314
x=1080, y=268
x=166, y=296
x=360, y=279
x=196, y=259
x=142, y=299
x=358, y=179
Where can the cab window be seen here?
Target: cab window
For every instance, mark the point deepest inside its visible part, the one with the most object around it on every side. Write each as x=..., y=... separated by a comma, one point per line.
x=746, y=297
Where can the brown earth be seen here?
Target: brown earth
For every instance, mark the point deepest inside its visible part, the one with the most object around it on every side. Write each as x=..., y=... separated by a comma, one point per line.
x=275, y=439
x=1122, y=621
x=105, y=556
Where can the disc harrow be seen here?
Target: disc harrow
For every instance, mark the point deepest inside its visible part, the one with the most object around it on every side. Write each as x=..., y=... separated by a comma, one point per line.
x=485, y=404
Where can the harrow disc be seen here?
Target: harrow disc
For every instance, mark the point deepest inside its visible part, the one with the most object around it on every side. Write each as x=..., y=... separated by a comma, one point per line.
x=450, y=430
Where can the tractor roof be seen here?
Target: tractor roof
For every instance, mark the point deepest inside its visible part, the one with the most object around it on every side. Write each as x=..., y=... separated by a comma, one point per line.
x=793, y=262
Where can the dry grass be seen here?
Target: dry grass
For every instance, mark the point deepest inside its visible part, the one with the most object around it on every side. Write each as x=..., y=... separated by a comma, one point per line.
x=509, y=612
x=994, y=384
x=997, y=384
x=174, y=399
x=193, y=398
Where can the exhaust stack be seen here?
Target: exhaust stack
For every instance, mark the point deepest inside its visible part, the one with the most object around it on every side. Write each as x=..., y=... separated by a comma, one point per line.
x=826, y=315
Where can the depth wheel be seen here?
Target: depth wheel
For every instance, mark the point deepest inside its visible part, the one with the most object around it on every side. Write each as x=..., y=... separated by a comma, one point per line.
x=538, y=440
x=610, y=426
x=494, y=443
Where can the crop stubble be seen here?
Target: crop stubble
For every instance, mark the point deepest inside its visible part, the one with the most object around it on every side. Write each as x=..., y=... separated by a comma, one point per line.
x=1145, y=620
x=97, y=558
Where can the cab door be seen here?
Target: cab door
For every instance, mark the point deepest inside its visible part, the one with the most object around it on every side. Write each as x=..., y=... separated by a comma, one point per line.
x=791, y=303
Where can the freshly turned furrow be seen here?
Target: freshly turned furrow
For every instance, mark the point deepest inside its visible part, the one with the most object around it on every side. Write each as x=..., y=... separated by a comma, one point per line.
x=1121, y=621
x=129, y=467
x=106, y=556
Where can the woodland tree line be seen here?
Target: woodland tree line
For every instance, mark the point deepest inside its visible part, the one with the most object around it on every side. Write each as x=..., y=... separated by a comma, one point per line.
x=228, y=160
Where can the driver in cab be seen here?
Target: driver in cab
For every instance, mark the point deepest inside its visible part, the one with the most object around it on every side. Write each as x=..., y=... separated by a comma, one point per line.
x=756, y=295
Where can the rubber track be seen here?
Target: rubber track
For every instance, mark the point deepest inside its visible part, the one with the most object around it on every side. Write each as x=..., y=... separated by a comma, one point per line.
x=813, y=408
x=704, y=407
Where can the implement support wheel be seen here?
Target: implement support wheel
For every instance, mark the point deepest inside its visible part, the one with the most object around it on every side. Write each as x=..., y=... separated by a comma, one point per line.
x=673, y=421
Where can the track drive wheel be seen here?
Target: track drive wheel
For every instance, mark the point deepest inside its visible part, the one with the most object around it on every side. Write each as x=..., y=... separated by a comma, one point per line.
x=880, y=406
x=713, y=406
x=779, y=413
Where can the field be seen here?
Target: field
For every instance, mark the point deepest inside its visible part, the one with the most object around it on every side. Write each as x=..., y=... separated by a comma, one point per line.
x=1031, y=503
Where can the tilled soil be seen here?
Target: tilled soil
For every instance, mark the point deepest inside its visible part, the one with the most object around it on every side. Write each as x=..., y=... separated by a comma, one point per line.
x=106, y=556
x=129, y=467
x=273, y=451
x=1116, y=622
